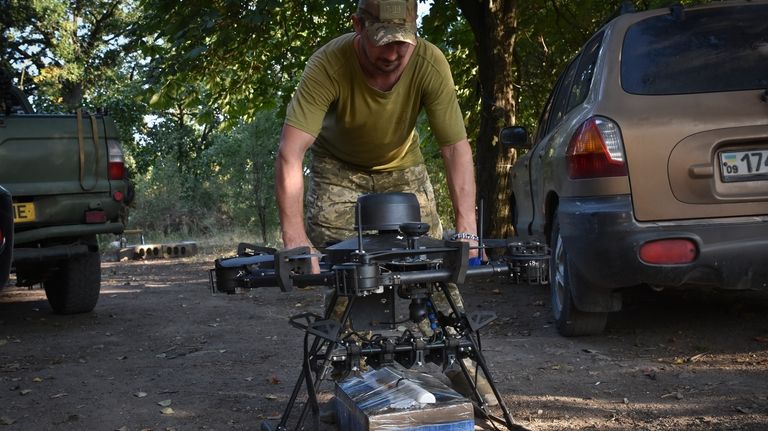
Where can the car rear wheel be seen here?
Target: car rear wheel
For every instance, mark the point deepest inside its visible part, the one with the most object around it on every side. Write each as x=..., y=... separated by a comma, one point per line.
x=513, y=211
x=569, y=320
x=75, y=286
x=6, y=256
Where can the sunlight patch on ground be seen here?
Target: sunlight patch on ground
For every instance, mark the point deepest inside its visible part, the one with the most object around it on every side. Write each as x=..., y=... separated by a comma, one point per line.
x=22, y=295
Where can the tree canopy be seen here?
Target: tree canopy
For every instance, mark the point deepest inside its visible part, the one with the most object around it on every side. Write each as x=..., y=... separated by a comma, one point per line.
x=65, y=50
x=234, y=58
x=197, y=86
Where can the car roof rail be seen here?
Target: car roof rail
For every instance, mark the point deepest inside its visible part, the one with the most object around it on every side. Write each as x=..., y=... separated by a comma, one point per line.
x=627, y=7
x=678, y=11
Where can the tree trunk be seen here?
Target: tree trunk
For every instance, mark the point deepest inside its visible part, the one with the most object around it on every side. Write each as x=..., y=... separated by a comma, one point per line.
x=494, y=24
x=72, y=94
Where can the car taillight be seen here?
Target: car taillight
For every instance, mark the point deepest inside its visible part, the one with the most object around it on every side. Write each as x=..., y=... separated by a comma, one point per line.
x=116, y=162
x=674, y=251
x=596, y=150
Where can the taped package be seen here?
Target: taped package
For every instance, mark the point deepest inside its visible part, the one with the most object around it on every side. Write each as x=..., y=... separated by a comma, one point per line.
x=396, y=399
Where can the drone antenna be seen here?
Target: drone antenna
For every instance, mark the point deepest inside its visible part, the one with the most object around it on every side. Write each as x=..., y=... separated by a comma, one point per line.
x=480, y=227
x=359, y=229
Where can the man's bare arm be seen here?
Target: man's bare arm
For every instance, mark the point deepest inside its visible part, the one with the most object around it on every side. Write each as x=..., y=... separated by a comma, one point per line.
x=289, y=185
x=460, y=173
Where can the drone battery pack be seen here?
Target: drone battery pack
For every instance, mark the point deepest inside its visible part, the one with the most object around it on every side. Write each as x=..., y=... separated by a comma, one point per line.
x=393, y=398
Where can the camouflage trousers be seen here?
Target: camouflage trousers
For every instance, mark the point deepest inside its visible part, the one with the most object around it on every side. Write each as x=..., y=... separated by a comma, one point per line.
x=330, y=207
x=438, y=298
x=335, y=186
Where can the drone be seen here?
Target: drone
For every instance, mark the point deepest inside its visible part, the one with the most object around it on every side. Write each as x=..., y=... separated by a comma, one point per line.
x=389, y=262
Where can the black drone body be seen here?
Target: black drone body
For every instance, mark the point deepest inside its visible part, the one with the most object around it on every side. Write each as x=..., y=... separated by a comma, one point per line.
x=389, y=267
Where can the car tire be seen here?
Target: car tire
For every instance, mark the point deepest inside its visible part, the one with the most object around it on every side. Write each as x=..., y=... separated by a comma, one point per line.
x=74, y=288
x=6, y=257
x=513, y=214
x=569, y=320
x=6, y=253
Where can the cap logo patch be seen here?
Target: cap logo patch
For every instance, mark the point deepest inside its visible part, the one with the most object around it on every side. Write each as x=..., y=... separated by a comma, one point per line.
x=391, y=10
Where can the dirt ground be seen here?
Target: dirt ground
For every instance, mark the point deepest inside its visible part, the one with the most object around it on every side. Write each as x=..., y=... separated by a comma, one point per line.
x=161, y=353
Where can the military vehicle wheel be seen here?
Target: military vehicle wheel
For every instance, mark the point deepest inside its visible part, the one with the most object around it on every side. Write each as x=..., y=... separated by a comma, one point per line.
x=74, y=288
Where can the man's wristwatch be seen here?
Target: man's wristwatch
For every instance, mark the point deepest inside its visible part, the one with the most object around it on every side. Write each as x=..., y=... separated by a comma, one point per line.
x=464, y=235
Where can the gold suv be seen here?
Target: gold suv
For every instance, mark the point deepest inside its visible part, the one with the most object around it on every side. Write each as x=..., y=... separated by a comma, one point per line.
x=649, y=165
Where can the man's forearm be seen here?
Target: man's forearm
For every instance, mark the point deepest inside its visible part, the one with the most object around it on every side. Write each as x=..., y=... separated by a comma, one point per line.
x=460, y=174
x=289, y=185
x=289, y=191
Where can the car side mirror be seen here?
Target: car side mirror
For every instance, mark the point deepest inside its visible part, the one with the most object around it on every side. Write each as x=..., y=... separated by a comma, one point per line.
x=514, y=137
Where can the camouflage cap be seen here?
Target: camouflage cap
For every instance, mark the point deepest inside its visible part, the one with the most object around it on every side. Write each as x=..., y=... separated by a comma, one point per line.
x=389, y=21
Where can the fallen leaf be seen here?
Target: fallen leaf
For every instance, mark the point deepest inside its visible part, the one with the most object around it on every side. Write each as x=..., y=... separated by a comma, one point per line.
x=164, y=403
x=167, y=411
x=139, y=394
x=25, y=391
x=3, y=342
x=274, y=381
x=37, y=379
x=60, y=395
x=270, y=397
x=698, y=357
x=5, y=420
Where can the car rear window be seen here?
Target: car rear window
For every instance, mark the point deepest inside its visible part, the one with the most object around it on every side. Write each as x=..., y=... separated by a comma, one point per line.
x=701, y=51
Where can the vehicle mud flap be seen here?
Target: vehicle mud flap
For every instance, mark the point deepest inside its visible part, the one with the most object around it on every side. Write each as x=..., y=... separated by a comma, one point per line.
x=591, y=299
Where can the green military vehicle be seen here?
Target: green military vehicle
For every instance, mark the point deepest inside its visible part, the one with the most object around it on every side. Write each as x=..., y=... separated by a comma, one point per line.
x=68, y=180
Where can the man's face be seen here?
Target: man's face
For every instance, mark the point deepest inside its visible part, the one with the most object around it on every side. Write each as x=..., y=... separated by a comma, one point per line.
x=386, y=58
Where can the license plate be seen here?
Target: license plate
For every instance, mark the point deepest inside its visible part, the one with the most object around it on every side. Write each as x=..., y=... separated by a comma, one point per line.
x=23, y=212
x=748, y=165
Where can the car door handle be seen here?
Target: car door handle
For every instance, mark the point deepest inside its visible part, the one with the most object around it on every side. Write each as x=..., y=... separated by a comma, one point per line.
x=701, y=171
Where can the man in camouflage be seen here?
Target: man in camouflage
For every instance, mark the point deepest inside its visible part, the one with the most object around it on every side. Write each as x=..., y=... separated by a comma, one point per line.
x=356, y=109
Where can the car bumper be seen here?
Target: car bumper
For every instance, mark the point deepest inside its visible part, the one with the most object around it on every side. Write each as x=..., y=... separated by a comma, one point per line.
x=603, y=239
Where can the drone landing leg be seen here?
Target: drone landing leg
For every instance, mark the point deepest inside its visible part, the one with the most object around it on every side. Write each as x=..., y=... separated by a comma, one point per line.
x=306, y=375
x=473, y=336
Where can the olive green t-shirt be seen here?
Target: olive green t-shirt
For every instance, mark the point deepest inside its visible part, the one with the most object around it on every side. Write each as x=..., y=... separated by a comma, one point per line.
x=367, y=128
